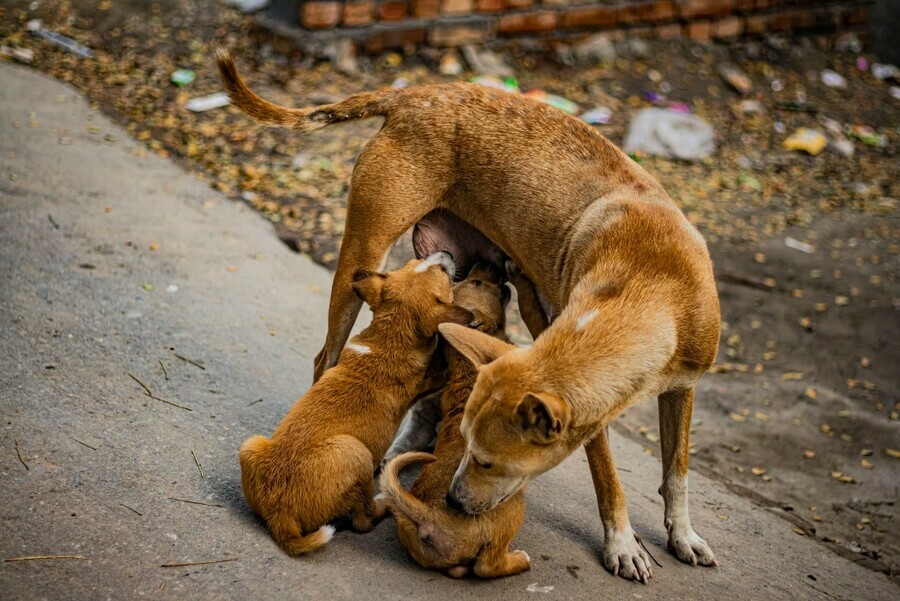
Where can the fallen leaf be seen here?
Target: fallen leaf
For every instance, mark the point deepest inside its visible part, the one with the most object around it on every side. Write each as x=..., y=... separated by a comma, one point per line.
x=809, y=454
x=758, y=471
x=737, y=417
x=867, y=464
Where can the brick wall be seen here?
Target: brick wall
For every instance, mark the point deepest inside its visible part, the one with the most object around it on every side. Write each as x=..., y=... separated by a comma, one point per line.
x=381, y=24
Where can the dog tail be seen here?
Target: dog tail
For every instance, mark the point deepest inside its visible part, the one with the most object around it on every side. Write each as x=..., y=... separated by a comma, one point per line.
x=360, y=106
x=398, y=498
x=286, y=532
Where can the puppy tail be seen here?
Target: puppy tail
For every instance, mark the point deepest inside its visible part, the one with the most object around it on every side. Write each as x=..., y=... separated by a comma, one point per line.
x=398, y=498
x=287, y=534
x=360, y=106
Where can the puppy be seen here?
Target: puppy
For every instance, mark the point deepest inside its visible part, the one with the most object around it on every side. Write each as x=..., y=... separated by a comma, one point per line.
x=435, y=535
x=320, y=461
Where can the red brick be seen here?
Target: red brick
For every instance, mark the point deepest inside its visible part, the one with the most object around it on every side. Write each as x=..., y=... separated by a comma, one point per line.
x=544, y=20
x=857, y=16
x=689, y=9
x=755, y=25
x=457, y=34
x=668, y=32
x=426, y=9
x=392, y=11
x=804, y=19
x=595, y=16
x=556, y=2
x=627, y=14
x=519, y=3
x=489, y=6
x=744, y=6
x=699, y=31
x=780, y=21
x=394, y=36
x=727, y=28
x=456, y=7
x=357, y=14
x=656, y=12
x=320, y=15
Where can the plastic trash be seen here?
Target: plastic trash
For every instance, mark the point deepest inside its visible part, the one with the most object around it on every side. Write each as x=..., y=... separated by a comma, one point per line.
x=670, y=133
x=803, y=247
x=736, y=78
x=23, y=55
x=597, y=116
x=182, y=77
x=36, y=27
x=883, y=72
x=750, y=107
x=895, y=92
x=833, y=79
x=507, y=84
x=596, y=49
x=208, y=103
x=485, y=62
x=400, y=83
x=563, y=104
x=248, y=6
x=868, y=136
x=837, y=141
x=808, y=140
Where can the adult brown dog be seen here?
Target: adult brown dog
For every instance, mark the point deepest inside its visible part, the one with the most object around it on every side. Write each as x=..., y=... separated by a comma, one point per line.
x=320, y=461
x=608, y=250
x=436, y=536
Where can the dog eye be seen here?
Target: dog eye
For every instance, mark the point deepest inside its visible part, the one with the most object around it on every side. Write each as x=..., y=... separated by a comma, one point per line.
x=476, y=282
x=482, y=465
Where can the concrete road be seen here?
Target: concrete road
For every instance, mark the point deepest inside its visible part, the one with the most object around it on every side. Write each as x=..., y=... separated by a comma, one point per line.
x=223, y=320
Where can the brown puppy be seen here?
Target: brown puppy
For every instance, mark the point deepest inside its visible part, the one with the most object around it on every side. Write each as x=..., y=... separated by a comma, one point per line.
x=320, y=461
x=611, y=257
x=436, y=536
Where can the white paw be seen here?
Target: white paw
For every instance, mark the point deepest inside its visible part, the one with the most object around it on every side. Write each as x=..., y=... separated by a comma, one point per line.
x=686, y=545
x=623, y=556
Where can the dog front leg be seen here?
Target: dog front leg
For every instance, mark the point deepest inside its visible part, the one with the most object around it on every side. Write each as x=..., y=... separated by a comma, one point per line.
x=530, y=307
x=622, y=553
x=674, y=428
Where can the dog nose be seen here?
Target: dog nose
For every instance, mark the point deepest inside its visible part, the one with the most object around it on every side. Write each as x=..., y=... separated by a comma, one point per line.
x=452, y=502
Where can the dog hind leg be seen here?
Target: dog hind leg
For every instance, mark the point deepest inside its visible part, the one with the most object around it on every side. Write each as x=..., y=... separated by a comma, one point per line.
x=674, y=428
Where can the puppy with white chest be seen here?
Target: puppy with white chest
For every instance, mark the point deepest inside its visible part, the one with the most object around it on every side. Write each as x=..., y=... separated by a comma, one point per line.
x=319, y=463
x=438, y=536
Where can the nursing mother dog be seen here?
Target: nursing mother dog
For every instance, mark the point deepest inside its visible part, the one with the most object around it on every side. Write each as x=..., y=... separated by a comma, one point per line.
x=624, y=281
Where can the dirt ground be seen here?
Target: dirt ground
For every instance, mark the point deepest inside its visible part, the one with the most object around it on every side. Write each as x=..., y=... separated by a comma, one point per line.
x=801, y=411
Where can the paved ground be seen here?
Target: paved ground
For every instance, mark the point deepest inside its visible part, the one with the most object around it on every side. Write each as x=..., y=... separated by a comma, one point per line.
x=84, y=302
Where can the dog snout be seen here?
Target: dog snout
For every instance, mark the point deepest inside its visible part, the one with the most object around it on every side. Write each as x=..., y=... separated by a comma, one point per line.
x=453, y=502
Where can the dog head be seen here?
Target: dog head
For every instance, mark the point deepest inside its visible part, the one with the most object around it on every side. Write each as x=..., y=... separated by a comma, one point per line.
x=514, y=431
x=416, y=298
x=485, y=294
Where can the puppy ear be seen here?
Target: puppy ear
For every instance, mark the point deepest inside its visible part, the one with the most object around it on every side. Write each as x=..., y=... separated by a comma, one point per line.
x=543, y=416
x=479, y=348
x=368, y=285
x=505, y=295
x=455, y=314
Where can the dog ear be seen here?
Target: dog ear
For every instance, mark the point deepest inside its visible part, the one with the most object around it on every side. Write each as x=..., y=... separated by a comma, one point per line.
x=505, y=295
x=543, y=416
x=368, y=285
x=479, y=348
x=455, y=314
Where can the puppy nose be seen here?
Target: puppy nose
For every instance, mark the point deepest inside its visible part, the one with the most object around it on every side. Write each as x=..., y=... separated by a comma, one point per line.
x=452, y=502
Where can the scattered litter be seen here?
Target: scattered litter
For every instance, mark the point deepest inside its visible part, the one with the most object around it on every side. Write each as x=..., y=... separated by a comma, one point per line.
x=506, y=84
x=836, y=138
x=182, y=77
x=862, y=64
x=798, y=245
x=892, y=453
x=450, y=65
x=895, y=92
x=148, y=287
x=342, y=54
x=23, y=55
x=736, y=78
x=809, y=454
x=534, y=588
x=208, y=103
x=400, y=83
x=563, y=104
x=669, y=133
x=808, y=140
x=868, y=136
x=833, y=79
x=171, y=288
x=485, y=62
x=596, y=49
x=748, y=181
x=36, y=27
x=43, y=557
x=597, y=116
x=750, y=106
x=883, y=72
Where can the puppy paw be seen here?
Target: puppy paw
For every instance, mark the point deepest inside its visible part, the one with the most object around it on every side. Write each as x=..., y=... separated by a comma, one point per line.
x=624, y=556
x=687, y=546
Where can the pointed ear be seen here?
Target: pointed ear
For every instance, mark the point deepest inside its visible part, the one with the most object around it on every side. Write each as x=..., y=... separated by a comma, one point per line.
x=543, y=416
x=479, y=348
x=367, y=285
x=455, y=314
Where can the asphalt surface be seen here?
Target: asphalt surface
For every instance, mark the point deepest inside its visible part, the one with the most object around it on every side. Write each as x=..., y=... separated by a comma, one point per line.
x=221, y=318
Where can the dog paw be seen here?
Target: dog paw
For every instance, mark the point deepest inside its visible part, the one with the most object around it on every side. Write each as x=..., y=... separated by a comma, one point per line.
x=623, y=556
x=687, y=546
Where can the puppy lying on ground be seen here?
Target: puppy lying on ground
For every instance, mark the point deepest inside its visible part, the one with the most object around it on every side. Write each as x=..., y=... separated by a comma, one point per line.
x=320, y=461
x=435, y=535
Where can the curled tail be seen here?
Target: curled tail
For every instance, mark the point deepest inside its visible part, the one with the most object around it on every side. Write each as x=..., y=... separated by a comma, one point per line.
x=286, y=532
x=360, y=106
x=398, y=498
